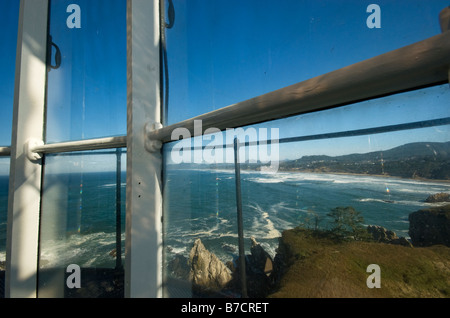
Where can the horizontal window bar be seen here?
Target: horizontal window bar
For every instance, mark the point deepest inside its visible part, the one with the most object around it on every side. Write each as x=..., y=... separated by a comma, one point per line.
x=418, y=65
x=371, y=131
x=340, y=134
x=5, y=151
x=87, y=153
x=82, y=145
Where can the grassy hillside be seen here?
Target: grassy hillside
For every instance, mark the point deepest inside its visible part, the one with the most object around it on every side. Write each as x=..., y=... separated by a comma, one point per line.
x=320, y=267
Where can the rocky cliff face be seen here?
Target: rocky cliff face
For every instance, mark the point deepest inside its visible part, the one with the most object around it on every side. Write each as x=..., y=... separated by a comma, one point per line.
x=438, y=197
x=430, y=226
x=207, y=271
x=383, y=235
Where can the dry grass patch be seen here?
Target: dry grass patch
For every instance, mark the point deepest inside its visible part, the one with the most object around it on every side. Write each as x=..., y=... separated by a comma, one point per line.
x=321, y=267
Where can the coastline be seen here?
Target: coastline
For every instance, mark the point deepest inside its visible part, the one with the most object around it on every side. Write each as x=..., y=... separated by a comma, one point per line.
x=369, y=175
x=313, y=171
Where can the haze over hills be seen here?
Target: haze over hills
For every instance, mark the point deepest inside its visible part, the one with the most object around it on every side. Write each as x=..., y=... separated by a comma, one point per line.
x=430, y=160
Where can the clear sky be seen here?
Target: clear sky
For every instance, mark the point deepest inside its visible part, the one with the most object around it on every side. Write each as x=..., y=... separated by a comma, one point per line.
x=9, y=16
x=221, y=52
x=225, y=51
x=87, y=94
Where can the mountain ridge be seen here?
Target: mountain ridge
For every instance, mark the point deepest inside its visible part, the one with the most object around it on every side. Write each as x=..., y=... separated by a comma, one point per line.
x=429, y=160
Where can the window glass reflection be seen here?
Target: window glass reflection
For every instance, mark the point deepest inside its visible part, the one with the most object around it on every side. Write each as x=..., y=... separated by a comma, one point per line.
x=87, y=92
x=83, y=223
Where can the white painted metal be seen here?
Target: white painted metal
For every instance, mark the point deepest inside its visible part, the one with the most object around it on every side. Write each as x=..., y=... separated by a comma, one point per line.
x=143, y=250
x=81, y=145
x=25, y=175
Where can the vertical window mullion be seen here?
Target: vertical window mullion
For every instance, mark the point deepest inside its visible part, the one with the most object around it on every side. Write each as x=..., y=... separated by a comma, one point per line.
x=143, y=251
x=25, y=173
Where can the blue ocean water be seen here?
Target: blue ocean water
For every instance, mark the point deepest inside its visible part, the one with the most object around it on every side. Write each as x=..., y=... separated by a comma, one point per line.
x=78, y=221
x=202, y=204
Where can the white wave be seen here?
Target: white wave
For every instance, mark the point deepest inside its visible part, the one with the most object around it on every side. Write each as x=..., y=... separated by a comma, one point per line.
x=272, y=231
x=375, y=200
x=265, y=180
x=392, y=182
x=403, y=202
x=268, y=230
x=112, y=185
x=178, y=250
x=82, y=249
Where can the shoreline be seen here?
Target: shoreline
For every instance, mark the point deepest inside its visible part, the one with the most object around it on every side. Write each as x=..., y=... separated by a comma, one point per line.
x=370, y=175
x=244, y=170
x=443, y=181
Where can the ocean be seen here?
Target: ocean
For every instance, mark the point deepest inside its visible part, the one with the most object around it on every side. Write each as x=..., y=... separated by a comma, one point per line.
x=202, y=204
x=79, y=222
x=78, y=219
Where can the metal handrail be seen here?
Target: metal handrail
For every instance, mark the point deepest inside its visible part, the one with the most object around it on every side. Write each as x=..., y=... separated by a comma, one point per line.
x=414, y=66
x=5, y=151
x=82, y=145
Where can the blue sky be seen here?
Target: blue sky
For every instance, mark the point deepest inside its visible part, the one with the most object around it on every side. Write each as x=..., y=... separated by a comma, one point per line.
x=87, y=94
x=221, y=52
x=9, y=16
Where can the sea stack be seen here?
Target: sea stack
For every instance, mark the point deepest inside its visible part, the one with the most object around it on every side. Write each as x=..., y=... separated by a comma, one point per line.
x=207, y=271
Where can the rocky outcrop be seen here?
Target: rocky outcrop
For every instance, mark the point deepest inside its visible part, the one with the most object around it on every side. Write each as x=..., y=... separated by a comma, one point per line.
x=430, y=226
x=260, y=261
x=259, y=269
x=208, y=274
x=438, y=197
x=179, y=267
x=383, y=235
x=207, y=271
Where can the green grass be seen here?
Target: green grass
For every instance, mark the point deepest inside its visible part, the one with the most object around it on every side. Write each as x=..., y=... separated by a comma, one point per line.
x=322, y=267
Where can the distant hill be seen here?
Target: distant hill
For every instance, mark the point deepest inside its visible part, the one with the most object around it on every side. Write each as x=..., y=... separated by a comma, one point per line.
x=419, y=160
x=429, y=160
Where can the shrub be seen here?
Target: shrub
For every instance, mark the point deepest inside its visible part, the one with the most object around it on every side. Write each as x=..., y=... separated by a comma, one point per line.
x=347, y=223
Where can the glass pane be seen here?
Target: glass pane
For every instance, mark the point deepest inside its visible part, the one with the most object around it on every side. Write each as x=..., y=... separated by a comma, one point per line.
x=83, y=195
x=332, y=193
x=226, y=51
x=87, y=93
x=4, y=184
x=9, y=16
